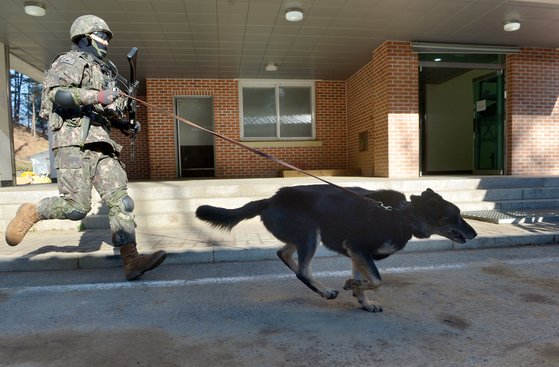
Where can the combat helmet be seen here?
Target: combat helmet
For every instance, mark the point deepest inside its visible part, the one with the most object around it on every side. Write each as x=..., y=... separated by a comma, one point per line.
x=87, y=24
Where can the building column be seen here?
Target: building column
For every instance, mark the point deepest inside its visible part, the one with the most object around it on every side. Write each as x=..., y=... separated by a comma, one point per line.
x=7, y=169
x=395, y=116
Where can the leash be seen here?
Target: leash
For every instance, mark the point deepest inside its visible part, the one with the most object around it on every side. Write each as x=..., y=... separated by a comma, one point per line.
x=255, y=151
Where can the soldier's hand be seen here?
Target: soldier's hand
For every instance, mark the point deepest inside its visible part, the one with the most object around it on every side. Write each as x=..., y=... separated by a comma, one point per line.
x=107, y=96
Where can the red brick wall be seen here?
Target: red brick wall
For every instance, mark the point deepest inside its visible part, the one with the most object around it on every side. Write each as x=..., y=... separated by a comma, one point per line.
x=361, y=103
x=403, y=110
x=331, y=128
x=380, y=87
x=383, y=100
x=532, y=84
x=232, y=161
x=137, y=168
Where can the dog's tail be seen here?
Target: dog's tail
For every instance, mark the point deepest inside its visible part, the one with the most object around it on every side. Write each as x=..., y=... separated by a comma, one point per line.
x=229, y=218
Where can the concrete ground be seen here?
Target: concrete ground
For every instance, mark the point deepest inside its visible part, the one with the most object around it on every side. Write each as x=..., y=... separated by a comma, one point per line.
x=200, y=243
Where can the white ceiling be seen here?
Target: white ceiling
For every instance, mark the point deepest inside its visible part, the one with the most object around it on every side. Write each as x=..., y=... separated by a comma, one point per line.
x=223, y=39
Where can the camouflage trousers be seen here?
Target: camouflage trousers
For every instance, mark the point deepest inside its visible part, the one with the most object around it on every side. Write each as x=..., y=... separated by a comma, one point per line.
x=77, y=172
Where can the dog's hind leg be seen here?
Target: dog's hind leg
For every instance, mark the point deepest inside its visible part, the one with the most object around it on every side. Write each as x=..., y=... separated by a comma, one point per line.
x=365, y=277
x=286, y=255
x=305, y=254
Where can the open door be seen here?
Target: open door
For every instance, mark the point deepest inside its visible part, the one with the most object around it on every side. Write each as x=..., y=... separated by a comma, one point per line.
x=489, y=124
x=195, y=147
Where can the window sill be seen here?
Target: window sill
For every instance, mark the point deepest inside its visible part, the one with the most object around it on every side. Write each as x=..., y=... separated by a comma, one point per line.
x=283, y=144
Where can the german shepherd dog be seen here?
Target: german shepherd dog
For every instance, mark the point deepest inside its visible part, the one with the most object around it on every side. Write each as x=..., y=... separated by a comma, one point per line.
x=365, y=230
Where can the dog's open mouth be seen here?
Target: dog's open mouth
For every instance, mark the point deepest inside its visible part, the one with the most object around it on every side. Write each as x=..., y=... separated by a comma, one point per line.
x=455, y=235
x=458, y=237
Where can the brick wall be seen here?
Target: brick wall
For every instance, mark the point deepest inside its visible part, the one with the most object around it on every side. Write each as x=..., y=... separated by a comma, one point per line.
x=532, y=84
x=232, y=161
x=361, y=103
x=383, y=101
x=137, y=168
x=403, y=110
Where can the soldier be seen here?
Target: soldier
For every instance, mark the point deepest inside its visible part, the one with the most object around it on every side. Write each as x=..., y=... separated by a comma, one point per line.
x=82, y=103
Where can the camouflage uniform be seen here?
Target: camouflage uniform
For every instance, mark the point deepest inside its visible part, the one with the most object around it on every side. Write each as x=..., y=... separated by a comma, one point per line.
x=94, y=161
x=82, y=103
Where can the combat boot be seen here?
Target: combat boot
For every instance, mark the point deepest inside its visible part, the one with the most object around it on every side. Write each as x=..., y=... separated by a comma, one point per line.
x=26, y=217
x=135, y=264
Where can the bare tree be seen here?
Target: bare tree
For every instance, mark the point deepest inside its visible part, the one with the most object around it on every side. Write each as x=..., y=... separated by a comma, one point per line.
x=26, y=101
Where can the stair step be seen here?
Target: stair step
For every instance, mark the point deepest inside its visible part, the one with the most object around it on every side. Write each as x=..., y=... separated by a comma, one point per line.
x=172, y=203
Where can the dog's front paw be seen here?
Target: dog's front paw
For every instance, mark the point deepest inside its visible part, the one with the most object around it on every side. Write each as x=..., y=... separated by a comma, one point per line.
x=372, y=306
x=368, y=305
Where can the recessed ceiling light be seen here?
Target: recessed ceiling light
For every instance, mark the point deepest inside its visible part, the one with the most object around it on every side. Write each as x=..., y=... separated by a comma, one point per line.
x=294, y=14
x=271, y=67
x=511, y=26
x=35, y=9
x=437, y=59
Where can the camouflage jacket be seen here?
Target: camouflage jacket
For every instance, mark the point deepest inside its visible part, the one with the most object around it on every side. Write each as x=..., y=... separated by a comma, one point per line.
x=82, y=75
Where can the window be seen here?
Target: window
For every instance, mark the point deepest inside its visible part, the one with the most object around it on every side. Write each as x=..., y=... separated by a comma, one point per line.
x=277, y=110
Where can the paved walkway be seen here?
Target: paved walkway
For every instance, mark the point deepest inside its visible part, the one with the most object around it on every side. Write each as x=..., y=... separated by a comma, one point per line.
x=50, y=250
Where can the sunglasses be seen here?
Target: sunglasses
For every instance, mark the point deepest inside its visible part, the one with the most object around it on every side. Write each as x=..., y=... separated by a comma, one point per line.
x=101, y=37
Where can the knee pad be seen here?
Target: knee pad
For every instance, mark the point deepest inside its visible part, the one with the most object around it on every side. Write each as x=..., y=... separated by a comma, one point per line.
x=127, y=204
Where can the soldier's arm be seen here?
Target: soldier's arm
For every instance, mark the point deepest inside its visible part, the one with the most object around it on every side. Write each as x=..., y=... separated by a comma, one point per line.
x=65, y=78
x=70, y=97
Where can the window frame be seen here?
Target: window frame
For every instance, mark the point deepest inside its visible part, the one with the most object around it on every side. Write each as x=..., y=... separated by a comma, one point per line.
x=276, y=84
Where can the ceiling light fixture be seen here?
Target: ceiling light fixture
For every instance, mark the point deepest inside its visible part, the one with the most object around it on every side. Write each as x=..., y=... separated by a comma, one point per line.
x=511, y=26
x=294, y=14
x=34, y=9
x=271, y=67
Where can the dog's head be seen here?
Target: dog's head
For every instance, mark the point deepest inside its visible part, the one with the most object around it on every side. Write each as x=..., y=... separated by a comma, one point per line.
x=434, y=215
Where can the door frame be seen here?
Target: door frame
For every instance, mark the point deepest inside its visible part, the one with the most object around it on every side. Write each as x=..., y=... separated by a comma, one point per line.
x=422, y=108
x=177, y=125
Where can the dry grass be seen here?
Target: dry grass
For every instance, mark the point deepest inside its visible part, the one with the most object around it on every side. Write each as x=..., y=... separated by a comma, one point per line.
x=25, y=146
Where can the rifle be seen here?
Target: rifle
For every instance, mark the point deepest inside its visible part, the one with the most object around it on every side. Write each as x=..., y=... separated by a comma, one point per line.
x=132, y=88
x=128, y=87
x=132, y=84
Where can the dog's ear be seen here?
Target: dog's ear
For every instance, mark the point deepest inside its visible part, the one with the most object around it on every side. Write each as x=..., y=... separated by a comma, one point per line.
x=425, y=196
x=429, y=193
x=429, y=204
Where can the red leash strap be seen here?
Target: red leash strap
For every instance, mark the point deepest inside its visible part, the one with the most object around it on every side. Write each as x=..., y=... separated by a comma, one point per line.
x=250, y=149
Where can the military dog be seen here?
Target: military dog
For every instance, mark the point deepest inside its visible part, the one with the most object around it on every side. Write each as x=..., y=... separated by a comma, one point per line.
x=366, y=228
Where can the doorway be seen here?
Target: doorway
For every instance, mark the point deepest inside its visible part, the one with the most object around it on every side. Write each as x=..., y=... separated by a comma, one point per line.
x=456, y=138
x=195, y=148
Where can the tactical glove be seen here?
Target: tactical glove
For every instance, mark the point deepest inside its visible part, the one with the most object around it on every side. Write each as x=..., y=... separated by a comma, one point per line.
x=107, y=96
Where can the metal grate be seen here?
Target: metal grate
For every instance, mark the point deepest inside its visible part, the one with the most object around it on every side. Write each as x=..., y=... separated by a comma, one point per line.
x=513, y=216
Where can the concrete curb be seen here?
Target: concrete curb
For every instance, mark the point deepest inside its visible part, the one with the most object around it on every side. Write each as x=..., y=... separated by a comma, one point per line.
x=107, y=258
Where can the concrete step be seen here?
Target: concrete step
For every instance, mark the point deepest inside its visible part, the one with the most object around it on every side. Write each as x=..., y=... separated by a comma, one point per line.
x=172, y=203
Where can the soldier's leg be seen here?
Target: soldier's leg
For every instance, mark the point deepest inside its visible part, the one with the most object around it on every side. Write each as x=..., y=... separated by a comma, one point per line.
x=74, y=202
x=73, y=168
x=111, y=182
